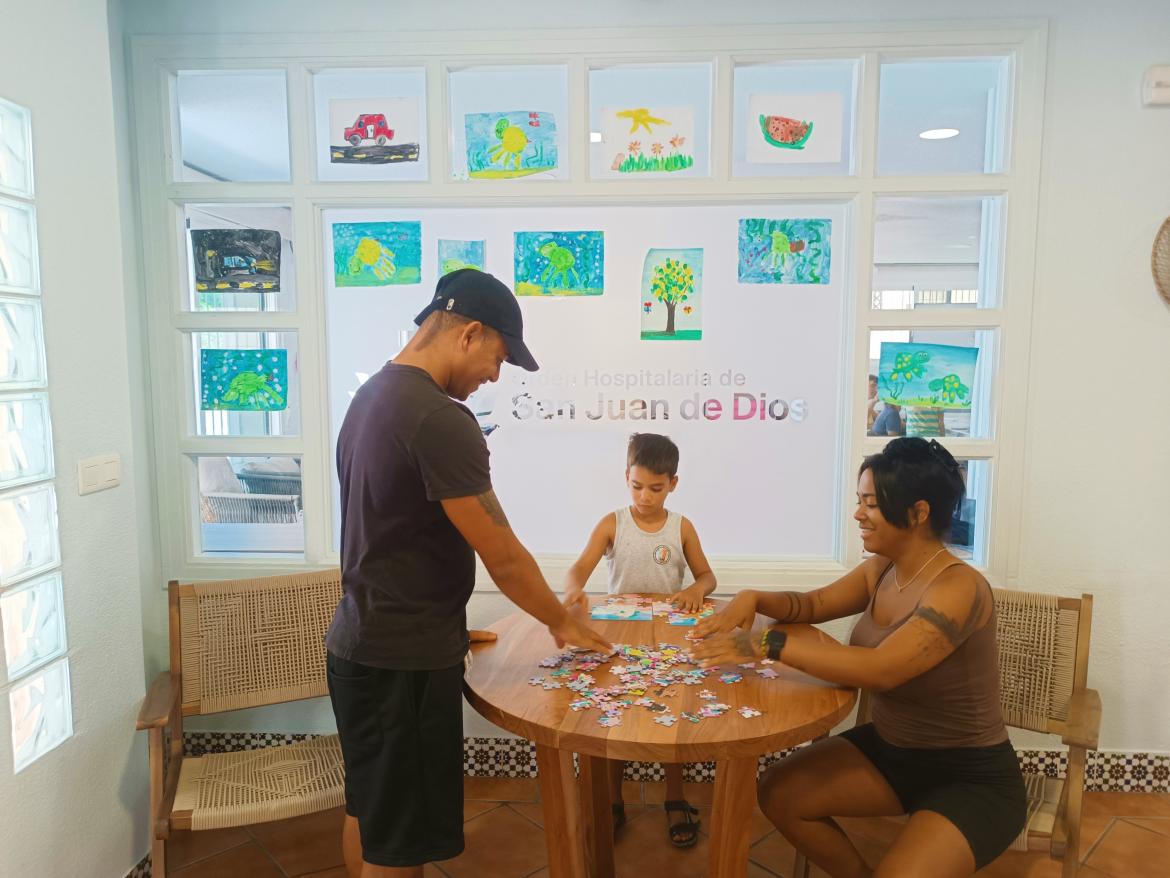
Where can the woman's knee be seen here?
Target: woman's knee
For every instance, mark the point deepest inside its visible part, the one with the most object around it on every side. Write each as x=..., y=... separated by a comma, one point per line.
x=778, y=792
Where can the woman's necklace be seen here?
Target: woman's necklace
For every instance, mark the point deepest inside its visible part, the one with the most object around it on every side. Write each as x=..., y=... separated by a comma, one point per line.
x=901, y=588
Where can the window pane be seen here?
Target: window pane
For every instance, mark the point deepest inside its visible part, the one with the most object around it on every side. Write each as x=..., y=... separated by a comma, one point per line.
x=22, y=350
x=42, y=714
x=510, y=123
x=968, y=536
x=28, y=533
x=930, y=383
x=239, y=258
x=931, y=252
x=251, y=505
x=794, y=118
x=34, y=624
x=26, y=440
x=15, y=150
x=653, y=120
x=943, y=116
x=371, y=124
x=18, y=248
x=245, y=383
x=233, y=125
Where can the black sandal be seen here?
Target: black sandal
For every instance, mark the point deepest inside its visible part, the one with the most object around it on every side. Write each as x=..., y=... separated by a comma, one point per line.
x=619, y=816
x=685, y=833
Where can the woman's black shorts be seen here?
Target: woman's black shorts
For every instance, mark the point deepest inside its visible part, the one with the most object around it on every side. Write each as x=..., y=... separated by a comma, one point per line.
x=979, y=789
x=402, y=740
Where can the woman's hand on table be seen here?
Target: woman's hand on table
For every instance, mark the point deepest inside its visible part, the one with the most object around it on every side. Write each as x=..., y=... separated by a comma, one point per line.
x=475, y=635
x=572, y=631
x=740, y=612
x=728, y=648
x=689, y=600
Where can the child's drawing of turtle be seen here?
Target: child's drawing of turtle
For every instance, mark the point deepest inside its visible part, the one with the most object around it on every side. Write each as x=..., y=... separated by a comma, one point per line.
x=560, y=264
x=251, y=389
x=513, y=142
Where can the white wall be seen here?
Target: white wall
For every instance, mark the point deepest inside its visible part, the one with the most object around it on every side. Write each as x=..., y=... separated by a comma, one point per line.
x=81, y=809
x=1099, y=404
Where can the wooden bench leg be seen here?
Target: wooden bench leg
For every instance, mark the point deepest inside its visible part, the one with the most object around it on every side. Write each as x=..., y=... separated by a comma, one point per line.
x=1074, y=785
x=563, y=831
x=158, y=845
x=731, y=815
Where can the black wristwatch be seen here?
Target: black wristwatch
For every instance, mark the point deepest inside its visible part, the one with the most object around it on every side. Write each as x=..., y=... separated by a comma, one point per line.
x=773, y=642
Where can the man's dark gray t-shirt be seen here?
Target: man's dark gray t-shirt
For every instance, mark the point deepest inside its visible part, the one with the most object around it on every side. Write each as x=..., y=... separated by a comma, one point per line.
x=406, y=572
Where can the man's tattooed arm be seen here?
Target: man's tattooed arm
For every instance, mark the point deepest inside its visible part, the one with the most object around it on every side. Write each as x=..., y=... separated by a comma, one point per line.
x=492, y=507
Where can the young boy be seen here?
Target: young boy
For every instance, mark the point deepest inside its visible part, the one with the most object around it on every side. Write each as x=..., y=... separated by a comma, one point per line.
x=646, y=547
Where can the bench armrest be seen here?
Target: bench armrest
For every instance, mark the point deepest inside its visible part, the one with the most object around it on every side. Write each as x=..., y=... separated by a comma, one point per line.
x=160, y=703
x=1084, y=719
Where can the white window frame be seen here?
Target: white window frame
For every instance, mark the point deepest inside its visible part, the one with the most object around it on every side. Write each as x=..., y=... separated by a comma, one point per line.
x=156, y=60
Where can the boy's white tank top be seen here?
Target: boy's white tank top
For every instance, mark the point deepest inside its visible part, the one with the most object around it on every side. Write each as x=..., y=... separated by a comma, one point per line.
x=646, y=562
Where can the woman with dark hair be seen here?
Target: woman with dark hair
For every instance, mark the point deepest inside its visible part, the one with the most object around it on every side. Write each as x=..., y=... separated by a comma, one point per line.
x=924, y=648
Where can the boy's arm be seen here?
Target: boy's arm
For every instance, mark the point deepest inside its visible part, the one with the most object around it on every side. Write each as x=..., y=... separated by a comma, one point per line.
x=690, y=599
x=599, y=542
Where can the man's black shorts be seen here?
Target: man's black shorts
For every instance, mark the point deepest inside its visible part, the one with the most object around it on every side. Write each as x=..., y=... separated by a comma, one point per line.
x=402, y=739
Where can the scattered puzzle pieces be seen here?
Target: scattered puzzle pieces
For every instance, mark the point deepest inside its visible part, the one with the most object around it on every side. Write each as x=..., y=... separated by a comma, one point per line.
x=749, y=712
x=731, y=677
x=667, y=719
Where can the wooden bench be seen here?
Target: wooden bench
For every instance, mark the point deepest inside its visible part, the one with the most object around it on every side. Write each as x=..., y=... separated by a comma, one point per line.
x=1043, y=643
x=236, y=644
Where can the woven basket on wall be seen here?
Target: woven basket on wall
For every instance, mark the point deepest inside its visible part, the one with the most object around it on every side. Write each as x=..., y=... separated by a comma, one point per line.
x=1160, y=260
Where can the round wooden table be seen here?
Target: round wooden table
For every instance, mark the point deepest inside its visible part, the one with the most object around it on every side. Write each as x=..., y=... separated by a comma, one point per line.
x=578, y=821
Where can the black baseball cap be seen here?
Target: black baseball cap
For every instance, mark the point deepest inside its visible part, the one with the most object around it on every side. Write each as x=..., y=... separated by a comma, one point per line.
x=480, y=296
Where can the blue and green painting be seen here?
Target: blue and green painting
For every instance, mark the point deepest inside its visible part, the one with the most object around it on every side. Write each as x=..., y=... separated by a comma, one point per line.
x=784, y=251
x=513, y=144
x=935, y=375
x=238, y=380
x=454, y=255
x=672, y=287
x=377, y=254
x=560, y=263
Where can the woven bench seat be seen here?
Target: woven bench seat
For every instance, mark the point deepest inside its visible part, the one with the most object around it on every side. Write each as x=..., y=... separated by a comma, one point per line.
x=254, y=786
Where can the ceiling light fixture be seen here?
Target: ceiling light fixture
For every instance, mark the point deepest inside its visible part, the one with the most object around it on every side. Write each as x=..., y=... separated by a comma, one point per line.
x=939, y=133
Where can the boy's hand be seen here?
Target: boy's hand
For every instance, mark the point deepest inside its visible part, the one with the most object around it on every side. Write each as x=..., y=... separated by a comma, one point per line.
x=689, y=600
x=740, y=613
x=576, y=633
x=575, y=600
x=477, y=636
x=728, y=649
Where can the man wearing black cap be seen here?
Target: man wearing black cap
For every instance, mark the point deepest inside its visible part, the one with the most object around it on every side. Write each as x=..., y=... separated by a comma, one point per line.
x=416, y=505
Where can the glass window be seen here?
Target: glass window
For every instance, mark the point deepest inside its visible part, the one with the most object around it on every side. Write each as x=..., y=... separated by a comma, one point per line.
x=233, y=125
x=33, y=619
x=968, y=535
x=239, y=257
x=41, y=713
x=28, y=533
x=26, y=440
x=22, y=349
x=18, y=251
x=945, y=116
x=15, y=150
x=650, y=121
x=930, y=382
x=936, y=252
x=245, y=383
x=371, y=124
x=510, y=123
x=250, y=505
x=794, y=118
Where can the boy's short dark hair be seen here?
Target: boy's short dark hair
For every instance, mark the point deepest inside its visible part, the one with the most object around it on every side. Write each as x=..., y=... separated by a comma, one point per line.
x=654, y=452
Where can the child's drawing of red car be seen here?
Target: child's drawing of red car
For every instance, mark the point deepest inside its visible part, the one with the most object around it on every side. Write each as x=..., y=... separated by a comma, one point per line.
x=369, y=126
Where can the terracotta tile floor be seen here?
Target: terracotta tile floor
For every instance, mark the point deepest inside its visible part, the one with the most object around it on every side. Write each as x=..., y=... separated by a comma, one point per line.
x=1126, y=835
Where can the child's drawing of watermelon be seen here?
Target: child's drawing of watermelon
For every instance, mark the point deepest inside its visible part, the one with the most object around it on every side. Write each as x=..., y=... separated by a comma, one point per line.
x=785, y=133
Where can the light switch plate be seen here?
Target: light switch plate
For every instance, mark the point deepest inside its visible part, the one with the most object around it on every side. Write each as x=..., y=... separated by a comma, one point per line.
x=98, y=473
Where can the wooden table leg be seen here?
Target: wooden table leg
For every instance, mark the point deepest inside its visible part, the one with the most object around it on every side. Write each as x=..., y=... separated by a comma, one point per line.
x=562, y=813
x=597, y=814
x=731, y=814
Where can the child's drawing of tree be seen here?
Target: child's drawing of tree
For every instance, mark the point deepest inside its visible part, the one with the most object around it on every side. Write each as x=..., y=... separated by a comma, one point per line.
x=673, y=282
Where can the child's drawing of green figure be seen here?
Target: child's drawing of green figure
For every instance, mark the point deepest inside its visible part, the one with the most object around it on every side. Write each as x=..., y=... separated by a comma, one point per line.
x=560, y=264
x=252, y=390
